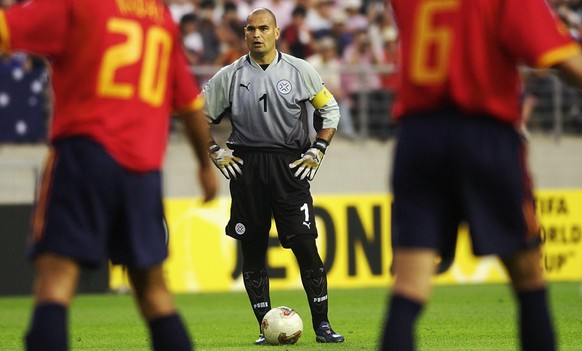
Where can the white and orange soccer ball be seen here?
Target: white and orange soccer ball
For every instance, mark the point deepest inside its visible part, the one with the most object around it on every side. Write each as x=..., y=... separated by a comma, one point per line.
x=282, y=325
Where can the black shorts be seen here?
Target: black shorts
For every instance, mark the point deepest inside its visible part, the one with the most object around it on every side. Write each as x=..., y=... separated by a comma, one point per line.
x=268, y=189
x=90, y=208
x=449, y=168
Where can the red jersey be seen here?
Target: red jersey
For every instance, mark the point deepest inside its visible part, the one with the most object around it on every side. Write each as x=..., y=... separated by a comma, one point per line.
x=118, y=71
x=465, y=53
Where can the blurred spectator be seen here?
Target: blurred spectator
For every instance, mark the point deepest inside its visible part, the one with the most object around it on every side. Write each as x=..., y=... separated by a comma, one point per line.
x=390, y=81
x=570, y=18
x=230, y=32
x=339, y=31
x=236, y=47
x=233, y=45
x=390, y=57
x=207, y=29
x=361, y=54
x=363, y=84
x=296, y=38
x=7, y=3
x=191, y=37
x=282, y=10
x=356, y=20
x=379, y=20
x=319, y=17
x=230, y=17
x=576, y=6
x=327, y=63
x=179, y=8
x=243, y=8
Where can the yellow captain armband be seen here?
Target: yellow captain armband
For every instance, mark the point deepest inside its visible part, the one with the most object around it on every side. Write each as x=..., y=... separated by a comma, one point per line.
x=321, y=98
x=4, y=47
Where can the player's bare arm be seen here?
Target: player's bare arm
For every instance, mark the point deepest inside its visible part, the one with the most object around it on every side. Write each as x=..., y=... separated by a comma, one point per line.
x=326, y=134
x=571, y=70
x=198, y=133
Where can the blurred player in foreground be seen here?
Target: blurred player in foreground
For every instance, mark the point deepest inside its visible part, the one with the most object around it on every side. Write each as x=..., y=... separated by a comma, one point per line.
x=460, y=156
x=265, y=94
x=118, y=71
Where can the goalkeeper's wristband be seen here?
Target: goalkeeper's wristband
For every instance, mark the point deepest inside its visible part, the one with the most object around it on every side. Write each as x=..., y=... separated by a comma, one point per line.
x=320, y=144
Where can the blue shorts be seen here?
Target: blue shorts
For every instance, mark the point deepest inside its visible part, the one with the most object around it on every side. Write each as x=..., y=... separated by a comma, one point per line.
x=450, y=168
x=90, y=208
x=268, y=189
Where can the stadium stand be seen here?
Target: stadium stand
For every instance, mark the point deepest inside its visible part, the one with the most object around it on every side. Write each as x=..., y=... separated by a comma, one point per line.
x=212, y=32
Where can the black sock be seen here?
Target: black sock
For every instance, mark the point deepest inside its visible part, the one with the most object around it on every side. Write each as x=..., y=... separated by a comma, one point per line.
x=399, y=328
x=257, y=287
x=48, y=328
x=315, y=285
x=169, y=334
x=313, y=277
x=535, y=324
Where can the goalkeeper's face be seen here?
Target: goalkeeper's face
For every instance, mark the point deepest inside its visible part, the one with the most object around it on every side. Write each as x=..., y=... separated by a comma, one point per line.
x=261, y=34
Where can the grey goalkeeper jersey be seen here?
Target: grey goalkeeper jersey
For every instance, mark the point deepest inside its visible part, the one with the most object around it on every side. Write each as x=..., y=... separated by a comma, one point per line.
x=267, y=108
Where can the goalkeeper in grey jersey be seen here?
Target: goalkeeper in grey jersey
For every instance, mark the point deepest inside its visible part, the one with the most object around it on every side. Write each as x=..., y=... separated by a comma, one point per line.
x=271, y=158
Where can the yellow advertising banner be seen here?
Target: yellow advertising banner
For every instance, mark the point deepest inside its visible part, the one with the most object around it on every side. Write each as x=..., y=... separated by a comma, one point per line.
x=354, y=243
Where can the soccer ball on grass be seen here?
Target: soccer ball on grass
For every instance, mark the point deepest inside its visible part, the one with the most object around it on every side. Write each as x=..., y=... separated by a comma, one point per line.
x=282, y=325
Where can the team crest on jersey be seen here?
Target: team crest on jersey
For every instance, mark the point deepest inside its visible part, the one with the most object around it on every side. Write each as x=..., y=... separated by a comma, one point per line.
x=239, y=228
x=284, y=86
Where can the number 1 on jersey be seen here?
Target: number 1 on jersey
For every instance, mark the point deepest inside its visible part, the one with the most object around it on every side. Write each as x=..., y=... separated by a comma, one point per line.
x=264, y=100
x=305, y=210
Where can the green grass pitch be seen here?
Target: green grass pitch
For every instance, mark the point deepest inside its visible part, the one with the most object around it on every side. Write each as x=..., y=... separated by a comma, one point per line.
x=466, y=317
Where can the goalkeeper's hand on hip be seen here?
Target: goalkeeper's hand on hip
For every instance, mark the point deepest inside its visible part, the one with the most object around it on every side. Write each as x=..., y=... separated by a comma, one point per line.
x=229, y=165
x=308, y=164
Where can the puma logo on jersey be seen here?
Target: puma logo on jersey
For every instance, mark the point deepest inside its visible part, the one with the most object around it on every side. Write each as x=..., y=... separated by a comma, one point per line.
x=245, y=86
x=307, y=224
